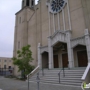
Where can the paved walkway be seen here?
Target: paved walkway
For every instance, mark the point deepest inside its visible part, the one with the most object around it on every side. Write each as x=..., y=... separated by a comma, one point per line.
x=12, y=84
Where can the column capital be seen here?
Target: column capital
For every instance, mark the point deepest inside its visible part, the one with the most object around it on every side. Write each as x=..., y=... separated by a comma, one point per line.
x=39, y=45
x=68, y=33
x=86, y=32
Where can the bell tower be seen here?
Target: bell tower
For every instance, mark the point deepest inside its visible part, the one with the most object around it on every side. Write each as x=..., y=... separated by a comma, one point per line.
x=30, y=3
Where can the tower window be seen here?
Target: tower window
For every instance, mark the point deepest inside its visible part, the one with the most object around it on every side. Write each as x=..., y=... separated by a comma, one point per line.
x=32, y=3
x=27, y=2
x=23, y=3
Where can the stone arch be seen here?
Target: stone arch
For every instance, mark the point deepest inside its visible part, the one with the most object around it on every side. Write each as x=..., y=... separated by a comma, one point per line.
x=60, y=55
x=58, y=36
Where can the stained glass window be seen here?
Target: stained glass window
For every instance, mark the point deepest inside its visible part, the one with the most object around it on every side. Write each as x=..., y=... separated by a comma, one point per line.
x=56, y=5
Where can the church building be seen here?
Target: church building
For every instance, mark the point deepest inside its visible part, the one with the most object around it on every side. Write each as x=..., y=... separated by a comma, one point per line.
x=57, y=30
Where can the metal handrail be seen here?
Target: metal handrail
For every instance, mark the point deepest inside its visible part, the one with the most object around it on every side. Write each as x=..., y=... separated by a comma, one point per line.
x=38, y=81
x=60, y=73
x=29, y=75
x=42, y=71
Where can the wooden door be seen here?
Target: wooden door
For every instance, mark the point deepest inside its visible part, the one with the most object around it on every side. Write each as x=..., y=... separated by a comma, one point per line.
x=56, y=64
x=82, y=58
x=65, y=60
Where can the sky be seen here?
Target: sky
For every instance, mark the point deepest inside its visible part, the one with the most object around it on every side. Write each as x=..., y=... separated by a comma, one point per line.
x=8, y=8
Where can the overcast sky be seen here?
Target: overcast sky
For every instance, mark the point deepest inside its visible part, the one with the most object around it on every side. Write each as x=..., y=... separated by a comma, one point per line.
x=8, y=8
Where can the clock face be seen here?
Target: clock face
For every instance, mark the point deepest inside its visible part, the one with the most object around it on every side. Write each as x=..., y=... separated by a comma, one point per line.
x=57, y=5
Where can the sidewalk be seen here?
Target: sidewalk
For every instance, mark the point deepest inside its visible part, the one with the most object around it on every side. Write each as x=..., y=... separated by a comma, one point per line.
x=12, y=84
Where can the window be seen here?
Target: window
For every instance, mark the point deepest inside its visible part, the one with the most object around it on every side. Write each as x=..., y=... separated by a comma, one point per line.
x=9, y=67
x=9, y=60
x=4, y=66
x=5, y=60
x=27, y=2
x=32, y=3
x=57, y=5
x=23, y=3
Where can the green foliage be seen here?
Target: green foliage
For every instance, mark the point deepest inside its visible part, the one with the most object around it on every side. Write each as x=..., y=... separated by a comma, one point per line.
x=23, y=59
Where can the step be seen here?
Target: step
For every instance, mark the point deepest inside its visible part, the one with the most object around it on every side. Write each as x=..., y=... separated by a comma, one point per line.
x=72, y=76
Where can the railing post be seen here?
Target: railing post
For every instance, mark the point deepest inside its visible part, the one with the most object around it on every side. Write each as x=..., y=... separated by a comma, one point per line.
x=5, y=71
x=2, y=71
x=38, y=81
x=42, y=72
x=63, y=72
x=59, y=76
x=28, y=82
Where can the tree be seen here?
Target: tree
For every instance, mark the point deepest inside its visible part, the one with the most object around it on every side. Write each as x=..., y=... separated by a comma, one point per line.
x=23, y=59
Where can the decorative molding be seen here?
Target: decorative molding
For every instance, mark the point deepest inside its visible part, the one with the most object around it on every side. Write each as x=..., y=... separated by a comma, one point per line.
x=44, y=49
x=78, y=41
x=58, y=36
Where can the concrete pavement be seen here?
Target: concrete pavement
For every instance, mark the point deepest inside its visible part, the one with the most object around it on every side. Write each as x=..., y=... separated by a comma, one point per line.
x=12, y=84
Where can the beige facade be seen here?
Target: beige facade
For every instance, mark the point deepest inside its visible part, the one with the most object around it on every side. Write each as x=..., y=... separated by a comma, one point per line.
x=48, y=32
x=6, y=62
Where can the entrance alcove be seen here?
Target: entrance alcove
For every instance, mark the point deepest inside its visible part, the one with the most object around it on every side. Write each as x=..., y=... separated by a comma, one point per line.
x=60, y=56
x=45, y=60
x=80, y=56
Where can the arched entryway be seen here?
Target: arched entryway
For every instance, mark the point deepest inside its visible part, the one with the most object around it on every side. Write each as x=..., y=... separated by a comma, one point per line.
x=60, y=55
x=80, y=55
x=45, y=60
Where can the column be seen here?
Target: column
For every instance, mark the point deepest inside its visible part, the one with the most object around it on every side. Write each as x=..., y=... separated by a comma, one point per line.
x=54, y=22
x=30, y=3
x=64, y=26
x=50, y=49
x=87, y=41
x=70, y=50
x=69, y=15
x=39, y=57
x=58, y=15
x=25, y=3
x=49, y=23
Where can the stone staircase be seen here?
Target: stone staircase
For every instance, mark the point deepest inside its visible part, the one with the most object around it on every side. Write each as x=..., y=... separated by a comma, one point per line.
x=72, y=76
